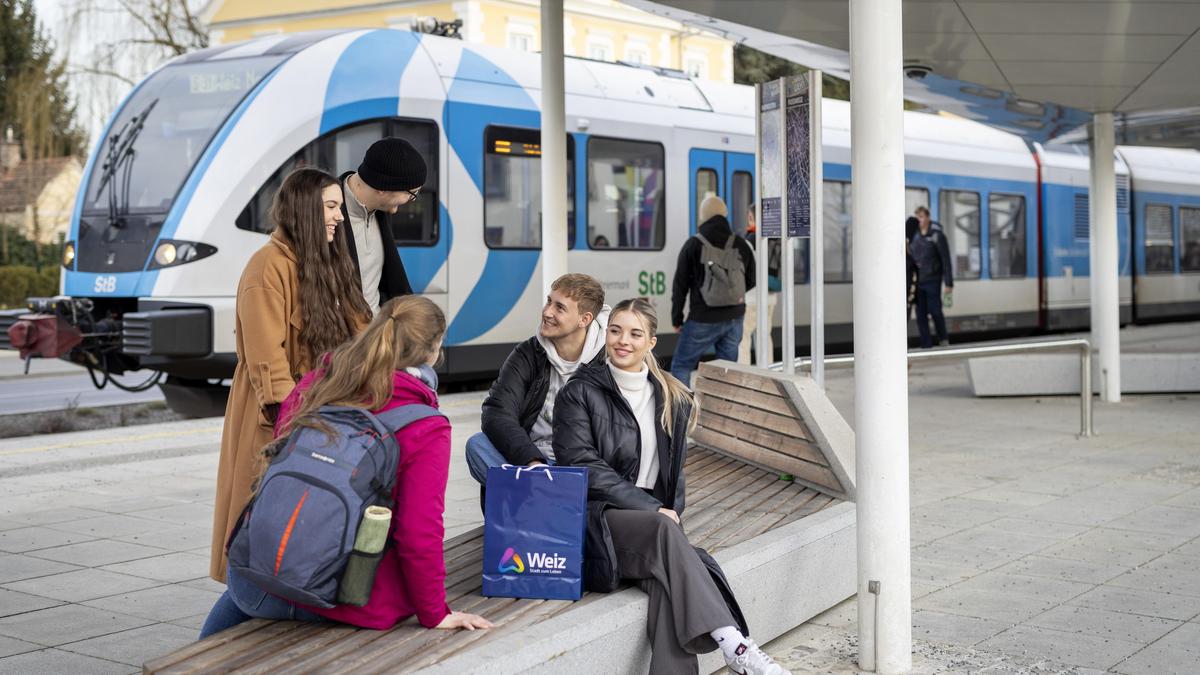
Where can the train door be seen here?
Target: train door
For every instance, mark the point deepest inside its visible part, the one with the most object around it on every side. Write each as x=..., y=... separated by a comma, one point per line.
x=728, y=175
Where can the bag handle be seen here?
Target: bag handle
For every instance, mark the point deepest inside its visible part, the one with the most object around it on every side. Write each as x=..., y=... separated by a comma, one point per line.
x=519, y=469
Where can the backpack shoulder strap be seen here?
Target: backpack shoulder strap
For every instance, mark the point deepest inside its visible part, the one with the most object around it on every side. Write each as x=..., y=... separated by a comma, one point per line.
x=703, y=239
x=398, y=418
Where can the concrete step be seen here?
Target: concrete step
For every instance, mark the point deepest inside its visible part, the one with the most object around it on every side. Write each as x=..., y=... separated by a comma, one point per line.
x=1058, y=374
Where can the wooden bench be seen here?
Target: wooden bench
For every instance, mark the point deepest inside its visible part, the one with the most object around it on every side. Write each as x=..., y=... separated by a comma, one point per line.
x=787, y=546
x=729, y=502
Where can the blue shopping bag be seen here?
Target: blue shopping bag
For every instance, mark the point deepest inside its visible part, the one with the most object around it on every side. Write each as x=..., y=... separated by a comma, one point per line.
x=533, y=529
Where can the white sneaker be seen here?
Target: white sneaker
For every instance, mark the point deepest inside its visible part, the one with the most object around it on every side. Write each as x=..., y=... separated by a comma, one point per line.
x=752, y=660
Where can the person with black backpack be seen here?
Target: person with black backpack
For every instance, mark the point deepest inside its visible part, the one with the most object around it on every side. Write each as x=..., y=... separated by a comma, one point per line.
x=346, y=520
x=714, y=271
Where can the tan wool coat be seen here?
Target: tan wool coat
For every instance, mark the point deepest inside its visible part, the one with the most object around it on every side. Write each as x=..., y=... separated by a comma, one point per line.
x=270, y=360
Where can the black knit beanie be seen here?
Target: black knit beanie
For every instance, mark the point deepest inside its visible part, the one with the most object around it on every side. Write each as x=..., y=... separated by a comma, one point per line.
x=392, y=165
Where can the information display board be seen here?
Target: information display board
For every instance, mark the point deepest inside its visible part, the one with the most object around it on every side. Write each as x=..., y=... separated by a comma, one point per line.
x=770, y=152
x=799, y=146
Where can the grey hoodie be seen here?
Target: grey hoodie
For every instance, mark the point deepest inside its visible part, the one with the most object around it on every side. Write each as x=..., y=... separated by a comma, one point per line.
x=561, y=370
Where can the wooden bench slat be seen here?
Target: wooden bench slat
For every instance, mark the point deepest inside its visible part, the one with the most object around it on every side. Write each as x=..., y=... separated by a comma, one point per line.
x=771, y=402
x=754, y=382
x=329, y=634
x=299, y=632
x=210, y=660
x=765, y=489
x=212, y=642
x=815, y=475
x=768, y=439
x=791, y=426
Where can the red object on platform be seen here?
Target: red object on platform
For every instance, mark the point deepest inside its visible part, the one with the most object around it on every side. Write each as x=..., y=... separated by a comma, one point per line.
x=45, y=335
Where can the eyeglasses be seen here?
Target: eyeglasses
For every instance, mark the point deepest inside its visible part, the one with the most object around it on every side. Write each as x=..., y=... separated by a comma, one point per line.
x=412, y=194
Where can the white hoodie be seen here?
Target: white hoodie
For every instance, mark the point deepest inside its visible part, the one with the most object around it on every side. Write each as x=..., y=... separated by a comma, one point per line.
x=561, y=370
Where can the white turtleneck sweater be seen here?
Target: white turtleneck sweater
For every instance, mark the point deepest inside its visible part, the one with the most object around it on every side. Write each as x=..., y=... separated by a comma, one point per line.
x=636, y=389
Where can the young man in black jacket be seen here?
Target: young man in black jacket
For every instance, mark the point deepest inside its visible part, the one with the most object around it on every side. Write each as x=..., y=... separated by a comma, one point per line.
x=518, y=414
x=931, y=254
x=717, y=328
x=391, y=175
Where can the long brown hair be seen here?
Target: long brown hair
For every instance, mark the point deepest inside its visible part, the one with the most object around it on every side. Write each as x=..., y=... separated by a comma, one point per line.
x=405, y=333
x=674, y=392
x=331, y=299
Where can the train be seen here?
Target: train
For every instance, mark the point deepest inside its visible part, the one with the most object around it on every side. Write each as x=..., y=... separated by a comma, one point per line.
x=175, y=195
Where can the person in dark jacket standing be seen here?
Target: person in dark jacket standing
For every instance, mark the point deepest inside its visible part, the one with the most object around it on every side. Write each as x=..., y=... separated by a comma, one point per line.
x=518, y=412
x=627, y=421
x=391, y=175
x=931, y=254
x=707, y=327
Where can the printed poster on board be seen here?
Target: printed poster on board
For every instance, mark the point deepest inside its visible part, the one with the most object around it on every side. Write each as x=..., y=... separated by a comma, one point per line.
x=770, y=213
x=799, y=149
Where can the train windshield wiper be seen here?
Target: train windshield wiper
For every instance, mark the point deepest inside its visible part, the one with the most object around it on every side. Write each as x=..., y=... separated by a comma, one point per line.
x=120, y=156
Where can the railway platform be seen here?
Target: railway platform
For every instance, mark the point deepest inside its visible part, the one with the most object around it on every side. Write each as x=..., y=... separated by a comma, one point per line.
x=1033, y=550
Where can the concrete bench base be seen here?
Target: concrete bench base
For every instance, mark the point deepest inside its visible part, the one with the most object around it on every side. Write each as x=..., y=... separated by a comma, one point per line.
x=782, y=578
x=1058, y=374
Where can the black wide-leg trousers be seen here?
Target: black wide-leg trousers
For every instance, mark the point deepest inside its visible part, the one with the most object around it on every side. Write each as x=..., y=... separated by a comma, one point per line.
x=685, y=603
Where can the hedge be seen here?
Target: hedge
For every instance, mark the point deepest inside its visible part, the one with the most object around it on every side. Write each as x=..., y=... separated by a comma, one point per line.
x=18, y=282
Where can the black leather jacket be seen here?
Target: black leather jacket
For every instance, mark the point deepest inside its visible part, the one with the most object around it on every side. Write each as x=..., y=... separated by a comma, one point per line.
x=516, y=398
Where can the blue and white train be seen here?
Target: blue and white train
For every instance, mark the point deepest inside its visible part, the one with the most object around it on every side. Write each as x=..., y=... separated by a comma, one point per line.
x=175, y=196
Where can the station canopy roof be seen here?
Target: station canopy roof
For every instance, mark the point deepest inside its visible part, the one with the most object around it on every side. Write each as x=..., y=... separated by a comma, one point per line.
x=1036, y=68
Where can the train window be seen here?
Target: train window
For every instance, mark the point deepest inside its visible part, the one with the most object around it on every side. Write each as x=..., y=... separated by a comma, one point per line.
x=1160, y=238
x=706, y=184
x=626, y=205
x=512, y=188
x=1006, y=236
x=960, y=220
x=741, y=198
x=1189, y=255
x=342, y=150
x=838, y=228
x=914, y=197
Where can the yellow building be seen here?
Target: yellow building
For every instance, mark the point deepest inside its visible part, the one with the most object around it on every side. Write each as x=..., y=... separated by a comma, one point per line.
x=37, y=197
x=605, y=30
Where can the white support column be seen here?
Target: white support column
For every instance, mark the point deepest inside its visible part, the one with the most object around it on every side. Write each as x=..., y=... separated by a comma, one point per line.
x=816, y=244
x=1104, y=280
x=880, y=337
x=554, y=146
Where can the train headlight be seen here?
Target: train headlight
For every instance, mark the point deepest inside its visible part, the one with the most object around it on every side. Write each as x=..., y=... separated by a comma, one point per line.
x=68, y=258
x=173, y=252
x=165, y=255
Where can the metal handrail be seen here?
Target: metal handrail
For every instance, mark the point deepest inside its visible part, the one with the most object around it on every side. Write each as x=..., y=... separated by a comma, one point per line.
x=1070, y=344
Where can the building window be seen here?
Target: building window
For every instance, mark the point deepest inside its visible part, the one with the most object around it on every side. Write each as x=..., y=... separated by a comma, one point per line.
x=1006, y=236
x=637, y=53
x=1189, y=218
x=1160, y=238
x=599, y=48
x=706, y=184
x=839, y=256
x=520, y=37
x=626, y=206
x=696, y=65
x=342, y=150
x=960, y=221
x=512, y=188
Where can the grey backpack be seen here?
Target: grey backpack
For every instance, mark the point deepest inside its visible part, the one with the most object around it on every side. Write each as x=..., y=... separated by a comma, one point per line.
x=295, y=536
x=724, y=282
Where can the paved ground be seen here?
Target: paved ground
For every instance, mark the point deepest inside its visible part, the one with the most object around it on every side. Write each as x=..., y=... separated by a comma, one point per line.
x=1032, y=551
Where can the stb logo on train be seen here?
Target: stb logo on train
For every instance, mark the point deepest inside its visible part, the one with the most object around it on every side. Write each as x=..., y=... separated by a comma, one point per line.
x=539, y=563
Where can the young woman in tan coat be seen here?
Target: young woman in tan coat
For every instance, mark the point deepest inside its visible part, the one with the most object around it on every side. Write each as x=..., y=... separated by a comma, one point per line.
x=298, y=298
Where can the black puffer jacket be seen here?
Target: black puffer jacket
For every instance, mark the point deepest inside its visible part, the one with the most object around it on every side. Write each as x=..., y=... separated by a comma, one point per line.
x=594, y=427
x=516, y=398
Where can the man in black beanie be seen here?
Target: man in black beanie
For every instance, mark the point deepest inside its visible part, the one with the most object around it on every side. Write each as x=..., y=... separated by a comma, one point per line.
x=390, y=176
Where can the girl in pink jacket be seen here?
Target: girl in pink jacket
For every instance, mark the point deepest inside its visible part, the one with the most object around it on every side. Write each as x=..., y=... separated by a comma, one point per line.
x=386, y=366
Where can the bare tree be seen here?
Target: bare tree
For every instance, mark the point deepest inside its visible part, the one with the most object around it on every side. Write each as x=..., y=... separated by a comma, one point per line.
x=115, y=43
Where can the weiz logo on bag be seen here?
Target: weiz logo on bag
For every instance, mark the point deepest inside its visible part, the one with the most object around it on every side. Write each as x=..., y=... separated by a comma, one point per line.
x=539, y=563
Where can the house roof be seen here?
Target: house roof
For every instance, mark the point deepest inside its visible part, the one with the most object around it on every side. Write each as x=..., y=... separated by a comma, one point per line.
x=24, y=183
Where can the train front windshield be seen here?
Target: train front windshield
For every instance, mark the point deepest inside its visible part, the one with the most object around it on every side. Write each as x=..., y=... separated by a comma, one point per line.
x=152, y=146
